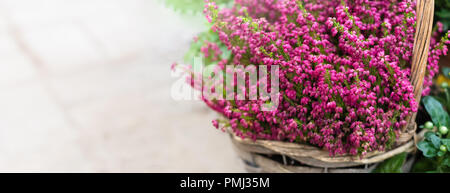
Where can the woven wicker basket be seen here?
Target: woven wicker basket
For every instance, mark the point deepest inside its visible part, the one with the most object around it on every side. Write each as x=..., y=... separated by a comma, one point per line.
x=277, y=156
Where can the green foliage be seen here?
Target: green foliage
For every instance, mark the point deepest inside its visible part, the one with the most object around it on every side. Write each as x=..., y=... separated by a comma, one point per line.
x=434, y=108
x=392, y=165
x=435, y=159
x=202, y=39
x=446, y=72
x=197, y=7
x=442, y=12
x=444, y=97
x=186, y=6
x=435, y=145
x=446, y=142
x=191, y=6
x=423, y=165
x=430, y=146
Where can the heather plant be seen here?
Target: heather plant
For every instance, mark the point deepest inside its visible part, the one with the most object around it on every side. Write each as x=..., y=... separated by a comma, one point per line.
x=344, y=70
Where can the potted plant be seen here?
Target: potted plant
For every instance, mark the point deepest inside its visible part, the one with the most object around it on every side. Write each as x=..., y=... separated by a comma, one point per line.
x=350, y=77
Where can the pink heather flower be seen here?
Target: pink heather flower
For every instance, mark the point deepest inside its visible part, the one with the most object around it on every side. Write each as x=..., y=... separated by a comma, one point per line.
x=344, y=69
x=173, y=66
x=215, y=124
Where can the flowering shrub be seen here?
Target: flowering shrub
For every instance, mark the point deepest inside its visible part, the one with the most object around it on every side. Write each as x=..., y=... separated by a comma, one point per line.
x=344, y=69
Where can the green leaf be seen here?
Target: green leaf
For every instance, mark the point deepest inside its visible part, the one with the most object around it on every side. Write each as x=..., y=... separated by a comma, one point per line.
x=446, y=142
x=434, y=139
x=446, y=161
x=428, y=135
x=427, y=149
x=392, y=165
x=437, y=113
x=441, y=97
x=445, y=71
x=423, y=165
x=447, y=98
x=440, y=153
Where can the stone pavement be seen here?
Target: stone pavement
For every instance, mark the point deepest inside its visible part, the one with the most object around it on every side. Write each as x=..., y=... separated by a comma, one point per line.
x=85, y=87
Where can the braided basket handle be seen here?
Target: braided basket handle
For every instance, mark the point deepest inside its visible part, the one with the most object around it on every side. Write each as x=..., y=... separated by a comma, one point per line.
x=424, y=24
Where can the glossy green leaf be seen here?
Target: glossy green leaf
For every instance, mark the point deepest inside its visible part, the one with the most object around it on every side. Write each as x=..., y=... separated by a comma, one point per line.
x=428, y=135
x=436, y=111
x=427, y=149
x=392, y=165
x=446, y=142
x=445, y=71
x=435, y=140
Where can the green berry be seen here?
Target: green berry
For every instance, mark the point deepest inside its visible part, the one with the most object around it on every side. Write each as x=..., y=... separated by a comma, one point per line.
x=443, y=130
x=444, y=85
x=428, y=125
x=443, y=148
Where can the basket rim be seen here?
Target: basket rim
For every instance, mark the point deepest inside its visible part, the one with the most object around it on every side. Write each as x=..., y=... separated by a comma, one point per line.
x=315, y=156
x=265, y=164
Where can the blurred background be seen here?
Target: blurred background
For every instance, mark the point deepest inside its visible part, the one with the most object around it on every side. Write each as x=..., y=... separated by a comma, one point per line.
x=85, y=87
